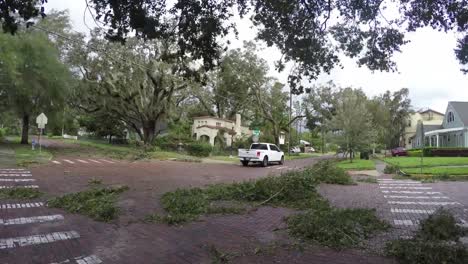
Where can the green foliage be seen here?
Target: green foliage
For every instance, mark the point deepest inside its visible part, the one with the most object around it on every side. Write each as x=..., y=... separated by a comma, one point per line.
x=437, y=241
x=414, y=153
x=334, y=227
x=327, y=171
x=2, y=134
x=97, y=203
x=20, y=193
x=368, y=180
x=199, y=149
x=391, y=169
x=357, y=164
x=415, y=162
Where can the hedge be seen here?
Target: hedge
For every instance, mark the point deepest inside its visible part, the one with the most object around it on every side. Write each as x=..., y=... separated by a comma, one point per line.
x=439, y=152
x=199, y=149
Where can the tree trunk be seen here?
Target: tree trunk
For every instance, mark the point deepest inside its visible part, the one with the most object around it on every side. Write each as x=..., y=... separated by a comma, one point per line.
x=148, y=132
x=25, y=129
x=110, y=139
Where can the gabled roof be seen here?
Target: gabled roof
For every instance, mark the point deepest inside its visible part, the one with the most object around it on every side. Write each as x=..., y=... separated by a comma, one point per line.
x=462, y=109
x=430, y=110
x=213, y=117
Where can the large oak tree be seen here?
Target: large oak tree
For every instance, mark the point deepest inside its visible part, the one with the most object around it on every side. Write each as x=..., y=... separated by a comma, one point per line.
x=310, y=33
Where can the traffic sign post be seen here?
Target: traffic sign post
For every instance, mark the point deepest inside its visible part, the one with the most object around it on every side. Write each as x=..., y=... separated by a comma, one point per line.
x=256, y=135
x=41, y=121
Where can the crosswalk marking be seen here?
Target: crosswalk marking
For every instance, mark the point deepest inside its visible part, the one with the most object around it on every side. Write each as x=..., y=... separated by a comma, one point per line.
x=412, y=192
x=14, y=242
x=16, y=180
x=56, y=162
x=405, y=187
x=92, y=259
x=31, y=220
x=108, y=161
x=15, y=175
x=12, y=169
x=24, y=186
x=19, y=206
x=415, y=197
x=82, y=161
x=69, y=161
x=95, y=161
x=411, y=211
x=424, y=203
x=403, y=222
x=400, y=184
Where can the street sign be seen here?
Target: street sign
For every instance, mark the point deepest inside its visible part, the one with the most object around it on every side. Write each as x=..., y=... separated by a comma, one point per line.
x=256, y=132
x=41, y=121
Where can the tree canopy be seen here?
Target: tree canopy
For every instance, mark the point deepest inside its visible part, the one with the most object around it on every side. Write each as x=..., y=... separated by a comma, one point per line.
x=309, y=33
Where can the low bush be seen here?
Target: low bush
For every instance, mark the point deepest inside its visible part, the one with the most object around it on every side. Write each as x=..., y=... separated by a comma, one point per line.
x=97, y=203
x=437, y=241
x=326, y=171
x=414, y=153
x=336, y=227
x=199, y=149
x=3, y=132
x=445, y=152
x=20, y=193
x=391, y=169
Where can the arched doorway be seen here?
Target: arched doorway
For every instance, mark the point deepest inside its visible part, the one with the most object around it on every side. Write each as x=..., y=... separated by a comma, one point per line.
x=205, y=138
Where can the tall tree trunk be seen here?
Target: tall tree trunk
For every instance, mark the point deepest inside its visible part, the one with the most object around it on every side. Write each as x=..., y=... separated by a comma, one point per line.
x=148, y=132
x=25, y=129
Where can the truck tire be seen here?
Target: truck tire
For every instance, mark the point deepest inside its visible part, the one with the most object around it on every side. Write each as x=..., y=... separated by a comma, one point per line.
x=245, y=163
x=282, y=160
x=265, y=161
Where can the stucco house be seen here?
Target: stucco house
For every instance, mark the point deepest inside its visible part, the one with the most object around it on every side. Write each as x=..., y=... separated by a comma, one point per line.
x=453, y=132
x=428, y=116
x=208, y=128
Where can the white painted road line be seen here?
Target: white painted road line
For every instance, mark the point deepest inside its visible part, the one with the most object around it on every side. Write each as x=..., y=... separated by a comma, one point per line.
x=95, y=161
x=82, y=161
x=6, y=243
x=424, y=203
x=16, y=180
x=415, y=197
x=12, y=169
x=400, y=184
x=69, y=161
x=411, y=211
x=282, y=167
x=23, y=186
x=31, y=220
x=92, y=259
x=56, y=162
x=412, y=192
x=406, y=187
x=403, y=222
x=15, y=175
x=108, y=161
x=19, y=206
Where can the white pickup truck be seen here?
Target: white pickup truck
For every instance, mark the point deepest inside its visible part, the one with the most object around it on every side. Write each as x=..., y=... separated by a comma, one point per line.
x=263, y=153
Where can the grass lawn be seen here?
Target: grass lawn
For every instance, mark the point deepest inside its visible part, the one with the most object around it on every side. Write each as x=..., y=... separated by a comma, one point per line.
x=438, y=170
x=357, y=164
x=25, y=155
x=415, y=162
x=301, y=156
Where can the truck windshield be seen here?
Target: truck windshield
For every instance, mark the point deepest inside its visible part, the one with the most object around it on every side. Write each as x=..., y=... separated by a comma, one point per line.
x=259, y=146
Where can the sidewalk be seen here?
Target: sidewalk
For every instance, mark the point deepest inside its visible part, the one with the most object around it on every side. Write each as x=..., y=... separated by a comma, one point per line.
x=7, y=157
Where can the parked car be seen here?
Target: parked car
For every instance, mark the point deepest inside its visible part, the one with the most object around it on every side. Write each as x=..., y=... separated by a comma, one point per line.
x=263, y=153
x=295, y=150
x=400, y=151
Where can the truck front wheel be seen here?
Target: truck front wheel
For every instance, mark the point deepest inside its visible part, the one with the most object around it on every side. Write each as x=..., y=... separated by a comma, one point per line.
x=245, y=163
x=265, y=161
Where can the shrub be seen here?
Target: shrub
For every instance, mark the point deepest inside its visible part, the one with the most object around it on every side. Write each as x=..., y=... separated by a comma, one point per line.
x=335, y=227
x=97, y=203
x=20, y=193
x=391, y=169
x=199, y=149
x=414, y=153
x=445, y=152
x=436, y=241
x=2, y=133
x=326, y=171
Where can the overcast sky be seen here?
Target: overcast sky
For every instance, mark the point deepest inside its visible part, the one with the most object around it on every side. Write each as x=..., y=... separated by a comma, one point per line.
x=427, y=65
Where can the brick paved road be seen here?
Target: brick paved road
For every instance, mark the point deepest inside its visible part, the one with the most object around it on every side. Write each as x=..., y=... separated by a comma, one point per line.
x=32, y=233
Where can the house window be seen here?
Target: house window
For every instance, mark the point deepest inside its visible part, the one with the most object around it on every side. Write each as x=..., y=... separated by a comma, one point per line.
x=451, y=117
x=218, y=124
x=409, y=123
